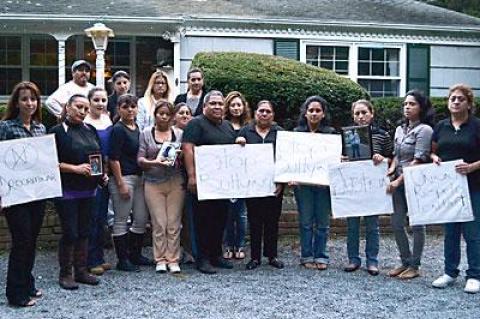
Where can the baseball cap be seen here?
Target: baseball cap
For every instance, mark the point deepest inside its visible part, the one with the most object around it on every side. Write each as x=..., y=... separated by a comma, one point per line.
x=79, y=63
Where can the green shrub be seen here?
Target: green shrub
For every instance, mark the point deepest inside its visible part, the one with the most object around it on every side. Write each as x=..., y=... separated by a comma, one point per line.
x=388, y=111
x=286, y=83
x=48, y=119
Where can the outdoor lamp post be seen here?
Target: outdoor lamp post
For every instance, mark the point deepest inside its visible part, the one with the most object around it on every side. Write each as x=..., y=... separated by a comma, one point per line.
x=100, y=34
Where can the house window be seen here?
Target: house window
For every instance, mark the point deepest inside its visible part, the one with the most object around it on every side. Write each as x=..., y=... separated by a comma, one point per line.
x=117, y=56
x=43, y=65
x=10, y=63
x=334, y=58
x=379, y=71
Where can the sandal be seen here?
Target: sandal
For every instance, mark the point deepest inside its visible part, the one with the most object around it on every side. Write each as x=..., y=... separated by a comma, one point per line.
x=27, y=302
x=36, y=293
x=322, y=266
x=240, y=254
x=310, y=265
x=228, y=254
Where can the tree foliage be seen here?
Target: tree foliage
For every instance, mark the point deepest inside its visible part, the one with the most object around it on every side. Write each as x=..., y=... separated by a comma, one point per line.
x=471, y=7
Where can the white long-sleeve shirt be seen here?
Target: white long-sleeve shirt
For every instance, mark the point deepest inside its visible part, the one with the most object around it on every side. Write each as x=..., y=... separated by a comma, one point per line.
x=59, y=98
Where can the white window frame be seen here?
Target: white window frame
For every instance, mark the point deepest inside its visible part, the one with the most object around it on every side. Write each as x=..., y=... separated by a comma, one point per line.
x=353, y=59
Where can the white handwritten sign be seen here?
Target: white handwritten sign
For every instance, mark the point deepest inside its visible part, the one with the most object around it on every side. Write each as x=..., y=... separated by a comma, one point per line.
x=29, y=170
x=359, y=189
x=234, y=171
x=304, y=157
x=436, y=194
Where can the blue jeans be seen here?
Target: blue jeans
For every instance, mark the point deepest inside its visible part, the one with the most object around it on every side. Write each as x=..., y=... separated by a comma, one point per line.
x=313, y=203
x=98, y=222
x=372, y=237
x=471, y=234
x=236, y=224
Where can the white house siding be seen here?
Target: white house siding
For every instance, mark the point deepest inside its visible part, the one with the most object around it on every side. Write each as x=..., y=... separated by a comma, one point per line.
x=192, y=45
x=454, y=64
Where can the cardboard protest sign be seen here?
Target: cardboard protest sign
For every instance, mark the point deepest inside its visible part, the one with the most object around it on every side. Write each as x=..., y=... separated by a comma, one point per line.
x=304, y=157
x=437, y=194
x=234, y=171
x=359, y=189
x=29, y=170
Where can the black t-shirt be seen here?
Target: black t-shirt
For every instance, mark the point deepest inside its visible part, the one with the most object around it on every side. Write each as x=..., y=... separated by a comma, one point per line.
x=202, y=131
x=74, y=146
x=252, y=137
x=124, y=144
x=460, y=144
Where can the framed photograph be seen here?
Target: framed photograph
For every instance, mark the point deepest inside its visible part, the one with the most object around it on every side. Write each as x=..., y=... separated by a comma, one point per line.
x=357, y=142
x=168, y=152
x=96, y=164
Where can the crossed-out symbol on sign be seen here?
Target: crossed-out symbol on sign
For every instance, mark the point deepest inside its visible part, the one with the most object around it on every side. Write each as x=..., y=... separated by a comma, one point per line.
x=20, y=157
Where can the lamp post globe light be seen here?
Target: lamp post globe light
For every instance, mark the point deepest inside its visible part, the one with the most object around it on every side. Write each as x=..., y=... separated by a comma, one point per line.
x=100, y=34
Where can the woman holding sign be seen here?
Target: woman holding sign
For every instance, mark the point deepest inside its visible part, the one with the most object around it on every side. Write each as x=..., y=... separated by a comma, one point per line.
x=76, y=142
x=238, y=113
x=23, y=119
x=363, y=114
x=313, y=202
x=164, y=187
x=458, y=137
x=263, y=212
x=412, y=147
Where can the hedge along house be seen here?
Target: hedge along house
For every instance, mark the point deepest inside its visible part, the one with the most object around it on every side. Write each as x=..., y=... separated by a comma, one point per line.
x=387, y=46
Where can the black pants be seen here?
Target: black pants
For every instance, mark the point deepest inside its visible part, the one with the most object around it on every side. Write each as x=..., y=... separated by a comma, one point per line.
x=210, y=218
x=74, y=217
x=263, y=215
x=24, y=222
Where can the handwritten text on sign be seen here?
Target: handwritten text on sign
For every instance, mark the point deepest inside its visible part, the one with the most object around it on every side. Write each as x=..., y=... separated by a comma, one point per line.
x=359, y=189
x=304, y=157
x=436, y=194
x=234, y=171
x=29, y=170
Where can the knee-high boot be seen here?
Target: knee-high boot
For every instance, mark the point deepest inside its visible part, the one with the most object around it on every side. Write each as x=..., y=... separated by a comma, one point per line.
x=121, y=248
x=135, y=247
x=65, y=259
x=80, y=263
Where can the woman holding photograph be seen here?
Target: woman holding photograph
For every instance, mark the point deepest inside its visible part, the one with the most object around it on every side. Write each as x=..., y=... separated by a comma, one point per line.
x=99, y=119
x=164, y=188
x=76, y=143
x=263, y=212
x=363, y=114
x=23, y=119
x=158, y=88
x=126, y=188
x=458, y=137
x=313, y=201
x=412, y=147
x=238, y=113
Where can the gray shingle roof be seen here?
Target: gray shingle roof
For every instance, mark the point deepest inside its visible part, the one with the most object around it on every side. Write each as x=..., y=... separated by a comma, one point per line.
x=315, y=11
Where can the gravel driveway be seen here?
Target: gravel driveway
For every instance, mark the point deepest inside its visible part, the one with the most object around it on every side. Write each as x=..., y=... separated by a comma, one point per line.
x=264, y=293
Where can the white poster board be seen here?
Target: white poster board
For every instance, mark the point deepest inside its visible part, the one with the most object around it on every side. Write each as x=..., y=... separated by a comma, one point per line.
x=29, y=170
x=359, y=189
x=436, y=194
x=234, y=171
x=304, y=157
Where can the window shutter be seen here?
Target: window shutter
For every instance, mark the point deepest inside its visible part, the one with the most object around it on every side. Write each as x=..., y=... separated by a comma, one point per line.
x=418, y=67
x=287, y=48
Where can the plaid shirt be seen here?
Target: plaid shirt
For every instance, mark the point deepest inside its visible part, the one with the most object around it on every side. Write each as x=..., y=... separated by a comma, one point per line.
x=13, y=129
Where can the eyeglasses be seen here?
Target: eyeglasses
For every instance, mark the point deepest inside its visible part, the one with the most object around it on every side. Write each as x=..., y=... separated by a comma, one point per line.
x=460, y=98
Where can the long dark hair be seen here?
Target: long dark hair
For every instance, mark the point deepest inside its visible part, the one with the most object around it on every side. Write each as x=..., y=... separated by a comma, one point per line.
x=12, y=105
x=302, y=120
x=427, y=113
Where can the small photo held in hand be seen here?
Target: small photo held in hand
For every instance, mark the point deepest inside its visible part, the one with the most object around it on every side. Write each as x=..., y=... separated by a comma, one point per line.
x=168, y=152
x=357, y=142
x=96, y=164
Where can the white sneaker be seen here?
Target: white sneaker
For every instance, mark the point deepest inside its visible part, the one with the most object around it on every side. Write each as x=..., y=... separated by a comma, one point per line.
x=472, y=286
x=161, y=268
x=443, y=281
x=174, y=268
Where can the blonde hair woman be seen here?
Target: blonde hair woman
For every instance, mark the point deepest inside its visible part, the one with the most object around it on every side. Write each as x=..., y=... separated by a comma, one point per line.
x=158, y=88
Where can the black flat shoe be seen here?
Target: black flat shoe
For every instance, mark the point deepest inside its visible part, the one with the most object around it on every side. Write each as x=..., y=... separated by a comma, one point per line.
x=252, y=264
x=274, y=262
x=221, y=262
x=205, y=268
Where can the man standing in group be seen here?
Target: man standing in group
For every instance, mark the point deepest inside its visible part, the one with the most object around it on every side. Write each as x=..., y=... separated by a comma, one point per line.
x=209, y=216
x=78, y=85
x=195, y=93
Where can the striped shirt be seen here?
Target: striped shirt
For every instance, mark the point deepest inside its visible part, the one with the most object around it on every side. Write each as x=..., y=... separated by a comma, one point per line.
x=381, y=142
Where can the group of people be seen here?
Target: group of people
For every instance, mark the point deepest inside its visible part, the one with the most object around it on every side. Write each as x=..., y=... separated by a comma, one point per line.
x=127, y=134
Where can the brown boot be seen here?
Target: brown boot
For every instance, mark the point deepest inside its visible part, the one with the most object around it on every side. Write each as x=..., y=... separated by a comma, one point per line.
x=80, y=264
x=65, y=259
